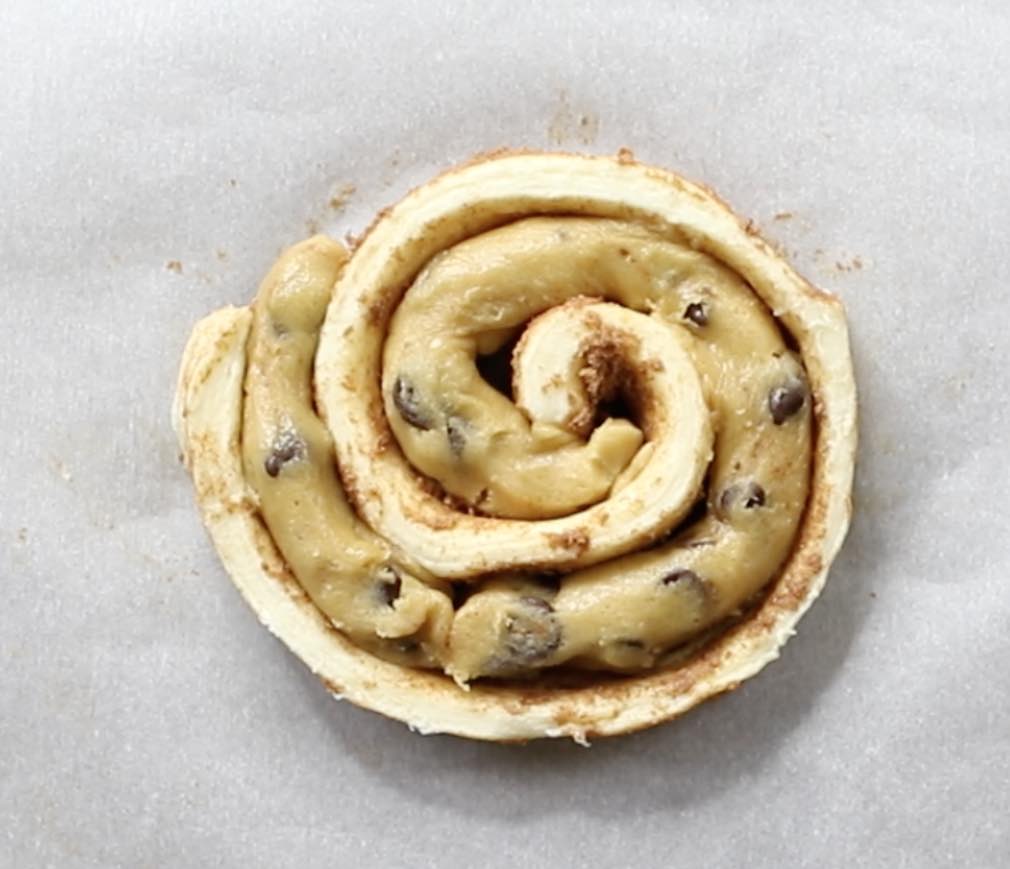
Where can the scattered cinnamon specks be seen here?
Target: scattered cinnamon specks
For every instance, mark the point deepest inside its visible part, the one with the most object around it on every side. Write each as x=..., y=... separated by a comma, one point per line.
x=22, y=535
x=340, y=199
x=566, y=125
x=625, y=155
x=312, y=226
x=382, y=443
x=392, y=168
x=782, y=250
x=173, y=265
x=576, y=540
x=589, y=126
x=843, y=263
x=783, y=215
x=222, y=255
x=560, y=121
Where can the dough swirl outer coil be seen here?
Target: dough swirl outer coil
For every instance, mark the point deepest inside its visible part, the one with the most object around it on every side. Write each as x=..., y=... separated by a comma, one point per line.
x=656, y=489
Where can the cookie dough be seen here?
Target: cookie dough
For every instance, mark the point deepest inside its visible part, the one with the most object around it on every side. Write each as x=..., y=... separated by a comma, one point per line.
x=348, y=571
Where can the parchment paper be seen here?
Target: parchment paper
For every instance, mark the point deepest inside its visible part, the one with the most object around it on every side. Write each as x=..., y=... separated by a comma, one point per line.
x=156, y=156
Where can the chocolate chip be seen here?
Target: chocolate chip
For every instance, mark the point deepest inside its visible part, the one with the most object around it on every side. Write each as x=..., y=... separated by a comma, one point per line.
x=287, y=447
x=748, y=495
x=537, y=603
x=785, y=401
x=409, y=405
x=697, y=313
x=533, y=632
x=680, y=575
x=455, y=428
x=699, y=592
x=389, y=586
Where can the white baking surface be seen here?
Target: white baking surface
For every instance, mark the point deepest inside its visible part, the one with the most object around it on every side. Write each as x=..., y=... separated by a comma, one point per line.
x=155, y=157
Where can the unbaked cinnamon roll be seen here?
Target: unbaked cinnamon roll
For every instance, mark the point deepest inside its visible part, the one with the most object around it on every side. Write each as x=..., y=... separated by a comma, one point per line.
x=560, y=448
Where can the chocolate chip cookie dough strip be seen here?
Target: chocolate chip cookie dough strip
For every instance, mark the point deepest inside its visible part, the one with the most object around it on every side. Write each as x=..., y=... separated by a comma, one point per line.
x=347, y=571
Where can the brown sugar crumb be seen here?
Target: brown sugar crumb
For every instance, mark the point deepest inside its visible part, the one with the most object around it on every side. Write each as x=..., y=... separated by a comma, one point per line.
x=844, y=263
x=853, y=265
x=334, y=688
x=382, y=443
x=602, y=371
x=625, y=155
x=561, y=121
x=589, y=126
x=460, y=505
x=576, y=540
x=377, y=313
x=340, y=199
x=601, y=376
x=173, y=265
x=439, y=520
